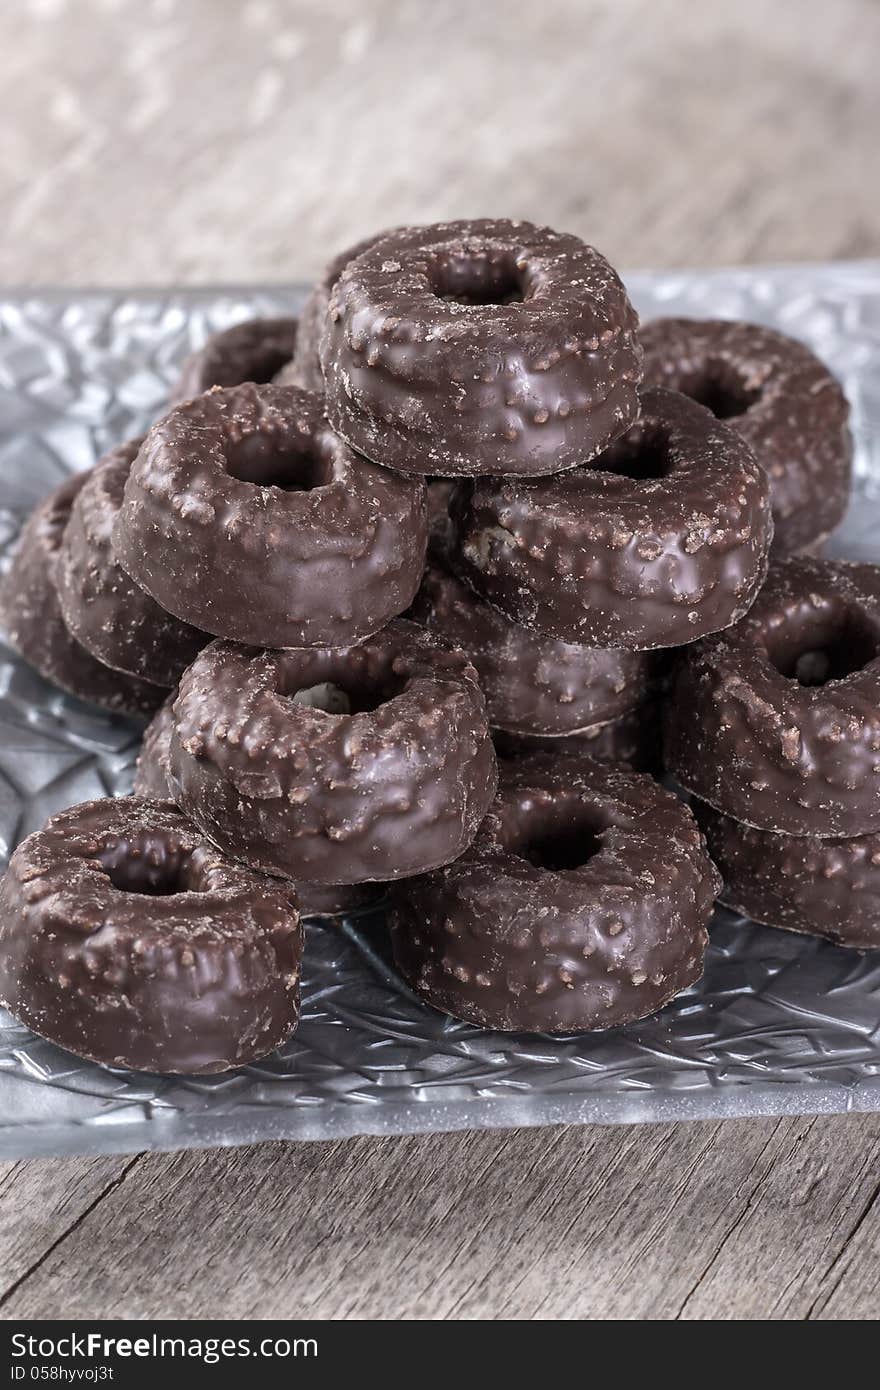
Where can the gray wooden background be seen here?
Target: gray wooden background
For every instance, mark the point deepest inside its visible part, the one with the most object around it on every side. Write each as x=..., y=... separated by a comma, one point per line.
x=164, y=141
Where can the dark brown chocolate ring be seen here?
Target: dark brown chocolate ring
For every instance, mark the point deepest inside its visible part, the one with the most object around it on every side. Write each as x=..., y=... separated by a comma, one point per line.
x=246, y=516
x=31, y=618
x=255, y=350
x=783, y=401
x=305, y=369
x=103, y=608
x=777, y=722
x=153, y=781
x=664, y=539
x=581, y=904
x=828, y=888
x=483, y=347
x=128, y=939
x=335, y=766
x=632, y=740
x=532, y=684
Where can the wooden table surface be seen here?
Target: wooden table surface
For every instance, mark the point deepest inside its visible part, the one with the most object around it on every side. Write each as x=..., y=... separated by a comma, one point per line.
x=150, y=142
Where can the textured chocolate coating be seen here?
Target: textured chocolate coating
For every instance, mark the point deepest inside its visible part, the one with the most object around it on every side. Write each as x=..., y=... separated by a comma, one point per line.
x=305, y=369
x=778, y=395
x=30, y=616
x=607, y=556
x=105, y=610
x=396, y=785
x=633, y=740
x=128, y=939
x=153, y=780
x=532, y=684
x=152, y=775
x=325, y=557
x=520, y=934
x=777, y=722
x=255, y=350
x=484, y=347
x=827, y=888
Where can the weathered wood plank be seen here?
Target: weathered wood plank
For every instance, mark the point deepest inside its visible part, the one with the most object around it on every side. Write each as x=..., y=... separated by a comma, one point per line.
x=738, y=1220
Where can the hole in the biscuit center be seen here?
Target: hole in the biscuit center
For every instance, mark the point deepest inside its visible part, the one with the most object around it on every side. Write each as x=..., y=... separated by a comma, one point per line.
x=563, y=849
x=478, y=279
x=264, y=461
x=338, y=687
x=559, y=838
x=825, y=646
x=720, y=388
x=641, y=454
x=150, y=865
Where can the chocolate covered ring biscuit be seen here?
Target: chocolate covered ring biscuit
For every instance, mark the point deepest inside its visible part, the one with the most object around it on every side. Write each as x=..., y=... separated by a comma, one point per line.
x=532, y=684
x=827, y=888
x=128, y=939
x=661, y=540
x=632, y=740
x=246, y=516
x=255, y=350
x=480, y=347
x=153, y=780
x=581, y=904
x=777, y=722
x=305, y=369
x=778, y=395
x=31, y=618
x=335, y=766
x=103, y=608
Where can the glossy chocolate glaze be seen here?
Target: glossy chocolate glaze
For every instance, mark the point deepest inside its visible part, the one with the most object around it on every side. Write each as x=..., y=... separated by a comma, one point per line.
x=632, y=740
x=608, y=556
x=781, y=398
x=305, y=369
x=827, y=888
x=532, y=684
x=130, y=940
x=482, y=347
x=246, y=516
x=520, y=934
x=31, y=618
x=777, y=722
x=153, y=780
x=255, y=350
x=396, y=785
x=103, y=608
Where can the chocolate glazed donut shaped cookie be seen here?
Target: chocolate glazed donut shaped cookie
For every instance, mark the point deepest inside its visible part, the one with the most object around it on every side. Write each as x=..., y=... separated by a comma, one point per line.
x=245, y=515
x=828, y=888
x=532, y=684
x=153, y=781
x=255, y=350
x=581, y=904
x=483, y=347
x=104, y=609
x=777, y=722
x=780, y=397
x=664, y=538
x=31, y=618
x=351, y=765
x=128, y=939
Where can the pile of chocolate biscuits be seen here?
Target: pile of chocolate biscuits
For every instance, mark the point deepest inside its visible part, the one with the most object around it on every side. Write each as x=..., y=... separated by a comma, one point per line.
x=426, y=592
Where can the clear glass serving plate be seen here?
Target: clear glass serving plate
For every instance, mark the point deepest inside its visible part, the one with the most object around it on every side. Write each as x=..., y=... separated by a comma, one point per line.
x=779, y=1023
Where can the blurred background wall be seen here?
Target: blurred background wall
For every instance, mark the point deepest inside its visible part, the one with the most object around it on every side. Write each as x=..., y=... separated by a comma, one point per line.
x=162, y=141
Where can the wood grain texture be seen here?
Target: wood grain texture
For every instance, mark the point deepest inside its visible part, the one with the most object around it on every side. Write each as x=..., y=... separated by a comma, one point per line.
x=744, y=1220
x=146, y=141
